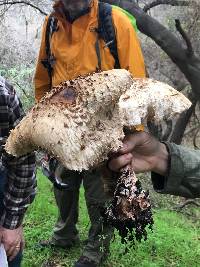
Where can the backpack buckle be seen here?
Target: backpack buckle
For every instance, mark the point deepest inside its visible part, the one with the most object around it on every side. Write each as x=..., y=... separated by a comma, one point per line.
x=108, y=44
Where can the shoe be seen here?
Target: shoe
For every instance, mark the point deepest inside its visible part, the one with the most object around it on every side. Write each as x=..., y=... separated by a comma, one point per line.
x=58, y=244
x=85, y=262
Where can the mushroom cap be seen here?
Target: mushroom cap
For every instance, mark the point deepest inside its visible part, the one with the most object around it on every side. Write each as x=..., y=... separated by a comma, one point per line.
x=82, y=120
x=151, y=100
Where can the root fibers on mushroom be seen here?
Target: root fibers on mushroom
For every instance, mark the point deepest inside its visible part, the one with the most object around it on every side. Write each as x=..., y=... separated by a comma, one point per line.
x=130, y=210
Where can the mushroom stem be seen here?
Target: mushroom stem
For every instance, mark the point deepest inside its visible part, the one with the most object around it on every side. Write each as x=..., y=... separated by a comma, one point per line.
x=130, y=208
x=20, y=142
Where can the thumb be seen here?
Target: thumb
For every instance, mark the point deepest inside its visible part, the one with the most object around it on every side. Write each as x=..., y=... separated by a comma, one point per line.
x=131, y=141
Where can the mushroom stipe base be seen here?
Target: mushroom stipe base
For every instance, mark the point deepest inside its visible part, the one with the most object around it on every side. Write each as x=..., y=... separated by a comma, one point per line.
x=130, y=210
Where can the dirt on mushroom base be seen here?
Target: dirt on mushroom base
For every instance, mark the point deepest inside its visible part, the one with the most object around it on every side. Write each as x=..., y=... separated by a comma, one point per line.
x=130, y=210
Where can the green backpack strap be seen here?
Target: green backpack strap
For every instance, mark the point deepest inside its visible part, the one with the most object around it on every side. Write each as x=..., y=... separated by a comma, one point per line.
x=129, y=15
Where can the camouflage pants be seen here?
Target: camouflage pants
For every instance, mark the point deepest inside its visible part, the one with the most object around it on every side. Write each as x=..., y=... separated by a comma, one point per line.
x=65, y=230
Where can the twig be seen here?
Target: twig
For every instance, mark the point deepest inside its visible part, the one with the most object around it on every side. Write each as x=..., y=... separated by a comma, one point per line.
x=3, y=3
x=4, y=11
x=166, y=2
x=24, y=92
x=195, y=139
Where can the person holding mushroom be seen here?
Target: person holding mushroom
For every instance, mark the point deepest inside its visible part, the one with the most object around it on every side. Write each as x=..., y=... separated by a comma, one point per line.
x=74, y=46
x=17, y=178
x=174, y=169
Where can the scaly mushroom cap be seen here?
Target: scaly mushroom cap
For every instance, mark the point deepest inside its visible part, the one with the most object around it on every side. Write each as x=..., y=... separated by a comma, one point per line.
x=81, y=121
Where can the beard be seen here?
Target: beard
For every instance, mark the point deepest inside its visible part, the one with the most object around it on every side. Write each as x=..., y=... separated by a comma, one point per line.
x=75, y=7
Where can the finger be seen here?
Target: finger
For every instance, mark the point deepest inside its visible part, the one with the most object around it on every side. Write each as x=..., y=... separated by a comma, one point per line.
x=10, y=247
x=131, y=141
x=14, y=253
x=120, y=162
x=12, y=250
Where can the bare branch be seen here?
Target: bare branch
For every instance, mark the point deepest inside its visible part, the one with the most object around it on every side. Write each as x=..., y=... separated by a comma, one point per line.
x=10, y=3
x=23, y=90
x=195, y=139
x=190, y=51
x=4, y=10
x=166, y=2
x=182, y=123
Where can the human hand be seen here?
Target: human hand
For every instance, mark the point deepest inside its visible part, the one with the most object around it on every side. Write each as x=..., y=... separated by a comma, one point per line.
x=142, y=152
x=12, y=240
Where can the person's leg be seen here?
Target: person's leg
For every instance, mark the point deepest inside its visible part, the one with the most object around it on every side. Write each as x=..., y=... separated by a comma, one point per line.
x=65, y=231
x=16, y=262
x=99, y=235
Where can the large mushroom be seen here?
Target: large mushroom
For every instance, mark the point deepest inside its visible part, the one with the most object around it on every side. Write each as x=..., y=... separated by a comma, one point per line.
x=81, y=121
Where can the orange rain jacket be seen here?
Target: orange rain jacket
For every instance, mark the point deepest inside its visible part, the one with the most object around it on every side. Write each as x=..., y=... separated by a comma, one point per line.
x=73, y=46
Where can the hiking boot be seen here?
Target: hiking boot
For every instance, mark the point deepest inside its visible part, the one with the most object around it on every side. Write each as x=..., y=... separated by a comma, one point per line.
x=85, y=262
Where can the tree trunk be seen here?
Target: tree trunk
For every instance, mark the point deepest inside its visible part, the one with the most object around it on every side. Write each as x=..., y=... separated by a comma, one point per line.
x=182, y=55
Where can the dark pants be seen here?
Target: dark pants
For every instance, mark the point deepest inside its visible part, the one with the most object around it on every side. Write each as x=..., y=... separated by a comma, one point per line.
x=65, y=230
x=17, y=260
